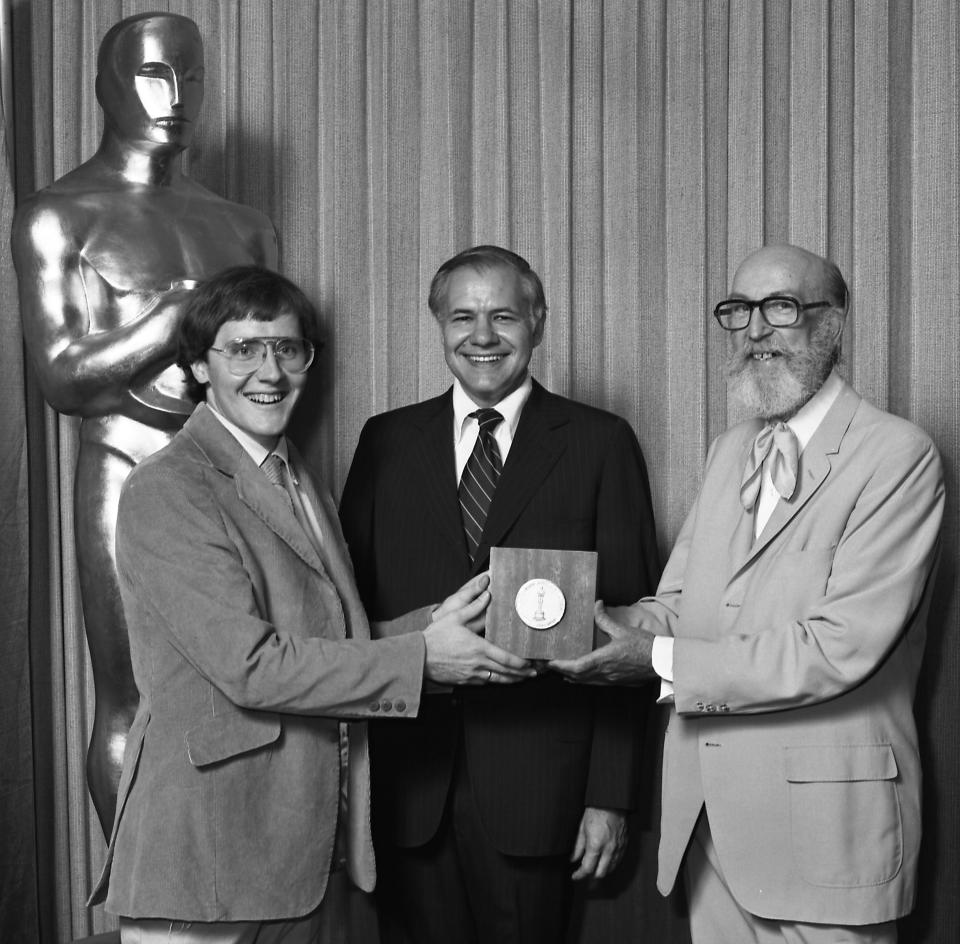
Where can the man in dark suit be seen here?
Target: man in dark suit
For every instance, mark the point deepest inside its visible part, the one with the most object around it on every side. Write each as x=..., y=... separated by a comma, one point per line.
x=483, y=803
x=244, y=798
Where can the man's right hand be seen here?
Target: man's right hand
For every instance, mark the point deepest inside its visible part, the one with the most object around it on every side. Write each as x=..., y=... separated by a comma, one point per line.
x=456, y=652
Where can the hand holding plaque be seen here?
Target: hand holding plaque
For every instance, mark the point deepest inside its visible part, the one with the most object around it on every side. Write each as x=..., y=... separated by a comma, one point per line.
x=542, y=602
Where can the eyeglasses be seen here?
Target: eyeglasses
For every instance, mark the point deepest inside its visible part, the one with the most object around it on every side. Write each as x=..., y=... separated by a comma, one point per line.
x=779, y=311
x=246, y=355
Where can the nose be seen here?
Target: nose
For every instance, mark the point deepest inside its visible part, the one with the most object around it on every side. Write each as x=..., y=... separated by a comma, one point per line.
x=176, y=90
x=757, y=326
x=483, y=333
x=270, y=370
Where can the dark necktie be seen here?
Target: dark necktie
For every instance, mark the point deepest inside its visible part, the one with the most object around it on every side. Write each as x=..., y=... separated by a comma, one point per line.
x=779, y=444
x=479, y=479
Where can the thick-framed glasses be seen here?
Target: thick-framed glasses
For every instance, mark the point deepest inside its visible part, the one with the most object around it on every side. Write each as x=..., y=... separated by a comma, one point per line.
x=779, y=311
x=246, y=355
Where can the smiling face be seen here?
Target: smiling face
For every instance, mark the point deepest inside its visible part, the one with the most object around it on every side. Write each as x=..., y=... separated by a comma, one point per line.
x=775, y=371
x=260, y=403
x=488, y=332
x=150, y=82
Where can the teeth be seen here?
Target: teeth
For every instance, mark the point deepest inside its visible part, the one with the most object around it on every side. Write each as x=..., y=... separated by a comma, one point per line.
x=763, y=355
x=265, y=398
x=484, y=358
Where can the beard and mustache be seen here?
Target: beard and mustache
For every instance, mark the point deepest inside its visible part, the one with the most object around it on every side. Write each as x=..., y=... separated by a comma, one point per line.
x=775, y=389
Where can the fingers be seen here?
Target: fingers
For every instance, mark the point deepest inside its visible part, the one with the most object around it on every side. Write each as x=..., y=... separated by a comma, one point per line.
x=466, y=595
x=507, y=662
x=588, y=866
x=471, y=615
x=504, y=677
x=600, y=843
x=472, y=588
x=579, y=670
x=605, y=623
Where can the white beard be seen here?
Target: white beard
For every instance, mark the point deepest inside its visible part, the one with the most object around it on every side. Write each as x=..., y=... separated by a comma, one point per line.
x=776, y=389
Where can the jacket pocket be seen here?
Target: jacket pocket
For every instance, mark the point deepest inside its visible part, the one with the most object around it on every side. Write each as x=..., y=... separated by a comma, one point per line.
x=224, y=736
x=845, y=814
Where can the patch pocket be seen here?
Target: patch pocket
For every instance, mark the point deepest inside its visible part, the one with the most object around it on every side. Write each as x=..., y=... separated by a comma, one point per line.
x=845, y=814
x=224, y=736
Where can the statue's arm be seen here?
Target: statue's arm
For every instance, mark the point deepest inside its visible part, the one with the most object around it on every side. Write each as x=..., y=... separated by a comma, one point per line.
x=85, y=354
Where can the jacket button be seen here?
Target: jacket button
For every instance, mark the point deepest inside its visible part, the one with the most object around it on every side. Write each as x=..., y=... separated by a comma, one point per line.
x=388, y=706
x=375, y=706
x=724, y=707
x=401, y=705
x=699, y=706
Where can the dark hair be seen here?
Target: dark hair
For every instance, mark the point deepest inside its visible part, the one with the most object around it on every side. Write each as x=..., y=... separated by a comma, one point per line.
x=482, y=258
x=237, y=294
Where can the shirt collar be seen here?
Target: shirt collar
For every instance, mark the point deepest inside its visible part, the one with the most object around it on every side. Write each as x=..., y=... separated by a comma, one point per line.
x=509, y=407
x=250, y=445
x=809, y=417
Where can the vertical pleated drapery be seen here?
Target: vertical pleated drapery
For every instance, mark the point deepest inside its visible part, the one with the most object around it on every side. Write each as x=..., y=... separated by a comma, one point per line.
x=634, y=151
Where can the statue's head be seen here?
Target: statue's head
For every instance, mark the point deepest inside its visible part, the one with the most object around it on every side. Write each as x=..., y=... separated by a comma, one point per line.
x=150, y=80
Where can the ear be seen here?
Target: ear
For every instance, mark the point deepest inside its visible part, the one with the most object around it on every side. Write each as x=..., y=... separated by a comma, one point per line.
x=538, y=329
x=200, y=372
x=839, y=320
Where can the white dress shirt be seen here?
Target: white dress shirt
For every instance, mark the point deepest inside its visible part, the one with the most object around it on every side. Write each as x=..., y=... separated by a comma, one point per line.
x=466, y=428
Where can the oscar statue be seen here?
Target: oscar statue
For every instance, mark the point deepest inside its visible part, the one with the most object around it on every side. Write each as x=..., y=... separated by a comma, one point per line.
x=106, y=258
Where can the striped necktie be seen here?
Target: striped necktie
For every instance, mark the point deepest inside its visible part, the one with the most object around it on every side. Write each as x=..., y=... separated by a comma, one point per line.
x=479, y=479
x=274, y=468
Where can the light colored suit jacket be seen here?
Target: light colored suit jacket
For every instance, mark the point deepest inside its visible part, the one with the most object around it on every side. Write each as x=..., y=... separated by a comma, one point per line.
x=247, y=648
x=795, y=665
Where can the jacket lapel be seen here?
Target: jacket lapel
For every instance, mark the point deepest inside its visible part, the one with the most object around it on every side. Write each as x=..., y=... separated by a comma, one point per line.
x=261, y=497
x=334, y=550
x=436, y=471
x=539, y=442
x=813, y=469
x=359, y=843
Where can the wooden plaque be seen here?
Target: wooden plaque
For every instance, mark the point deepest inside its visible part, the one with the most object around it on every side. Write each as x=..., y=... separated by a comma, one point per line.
x=542, y=602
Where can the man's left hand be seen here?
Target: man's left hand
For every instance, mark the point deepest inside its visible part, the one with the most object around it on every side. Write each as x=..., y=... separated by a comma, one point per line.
x=601, y=840
x=625, y=660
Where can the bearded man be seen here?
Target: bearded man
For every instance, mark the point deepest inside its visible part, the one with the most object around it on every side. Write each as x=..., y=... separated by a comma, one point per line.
x=788, y=630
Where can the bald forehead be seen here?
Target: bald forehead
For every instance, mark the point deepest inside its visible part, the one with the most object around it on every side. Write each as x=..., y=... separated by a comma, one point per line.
x=784, y=269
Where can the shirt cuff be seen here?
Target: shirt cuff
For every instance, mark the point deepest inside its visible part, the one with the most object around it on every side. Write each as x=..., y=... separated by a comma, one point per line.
x=662, y=659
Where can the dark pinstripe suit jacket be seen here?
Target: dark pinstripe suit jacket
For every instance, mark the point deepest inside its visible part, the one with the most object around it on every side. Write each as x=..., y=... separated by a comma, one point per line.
x=540, y=751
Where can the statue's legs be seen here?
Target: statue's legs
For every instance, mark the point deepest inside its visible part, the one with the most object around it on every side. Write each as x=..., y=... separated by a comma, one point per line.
x=106, y=457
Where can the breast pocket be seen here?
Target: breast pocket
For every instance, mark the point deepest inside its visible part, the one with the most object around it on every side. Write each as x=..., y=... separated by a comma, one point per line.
x=845, y=814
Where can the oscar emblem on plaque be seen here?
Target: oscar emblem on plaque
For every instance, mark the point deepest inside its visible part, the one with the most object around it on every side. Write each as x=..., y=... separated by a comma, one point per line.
x=542, y=601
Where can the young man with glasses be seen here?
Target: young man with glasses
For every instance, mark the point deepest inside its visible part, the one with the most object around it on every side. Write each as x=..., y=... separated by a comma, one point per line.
x=244, y=798
x=788, y=630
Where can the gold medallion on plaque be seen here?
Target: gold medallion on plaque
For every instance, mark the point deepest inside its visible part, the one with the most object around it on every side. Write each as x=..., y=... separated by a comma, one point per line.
x=540, y=603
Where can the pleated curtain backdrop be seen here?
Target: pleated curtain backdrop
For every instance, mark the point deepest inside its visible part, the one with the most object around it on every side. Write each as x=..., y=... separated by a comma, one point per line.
x=634, y=151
